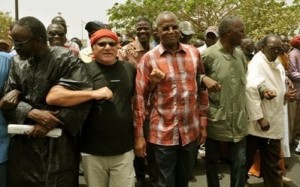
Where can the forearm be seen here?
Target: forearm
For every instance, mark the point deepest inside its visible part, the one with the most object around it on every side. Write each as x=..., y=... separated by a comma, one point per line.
x=60, y=96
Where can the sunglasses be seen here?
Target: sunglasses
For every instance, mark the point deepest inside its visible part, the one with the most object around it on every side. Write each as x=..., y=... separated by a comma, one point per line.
x=104, y=44
x=60, y=34
x=18, y=44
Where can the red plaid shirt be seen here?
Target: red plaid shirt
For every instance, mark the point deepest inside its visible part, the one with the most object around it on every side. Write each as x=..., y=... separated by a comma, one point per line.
x=177, y=103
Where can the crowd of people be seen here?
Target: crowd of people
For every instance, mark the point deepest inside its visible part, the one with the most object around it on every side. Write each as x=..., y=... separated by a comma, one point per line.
x=127, y=108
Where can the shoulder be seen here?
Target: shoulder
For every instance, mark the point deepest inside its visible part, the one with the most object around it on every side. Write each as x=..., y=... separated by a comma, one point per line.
x=130, y=46
x=5, y=55
x=127, y=65
x=239, y=52
x=63, y=56
x=294, y=52
x=190, y=48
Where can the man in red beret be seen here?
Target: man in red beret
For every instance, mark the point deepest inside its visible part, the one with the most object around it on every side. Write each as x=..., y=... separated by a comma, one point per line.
x=107, y=137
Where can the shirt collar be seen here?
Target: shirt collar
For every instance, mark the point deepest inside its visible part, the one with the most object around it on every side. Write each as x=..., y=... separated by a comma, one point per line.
x=181, y=49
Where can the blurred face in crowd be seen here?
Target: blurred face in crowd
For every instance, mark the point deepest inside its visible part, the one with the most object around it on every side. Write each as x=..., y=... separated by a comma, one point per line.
x=210, y=39
x=155, y=35
x=285, y=43
x=236, y=32
x=143, y=31
x=56, y=34
x=105, y=51
x=185, y=38
x=24, y=42
x=247, y=45
x=272, y=48
x=168, y=30
x=4, y=47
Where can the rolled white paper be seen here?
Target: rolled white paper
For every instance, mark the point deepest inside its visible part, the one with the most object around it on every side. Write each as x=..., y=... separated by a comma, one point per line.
x=25, y=129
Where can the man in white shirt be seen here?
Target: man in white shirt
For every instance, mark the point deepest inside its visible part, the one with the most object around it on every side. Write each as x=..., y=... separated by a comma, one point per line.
x=266, y=94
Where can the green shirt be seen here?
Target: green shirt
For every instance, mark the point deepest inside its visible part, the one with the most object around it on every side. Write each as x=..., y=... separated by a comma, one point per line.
x=227, y=118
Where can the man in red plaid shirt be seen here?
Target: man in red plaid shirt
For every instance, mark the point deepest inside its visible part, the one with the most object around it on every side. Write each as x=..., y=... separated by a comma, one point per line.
x=178, y=104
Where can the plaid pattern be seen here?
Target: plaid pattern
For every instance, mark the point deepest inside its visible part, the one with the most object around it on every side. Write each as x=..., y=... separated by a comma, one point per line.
x=132, y=52
x=176, y=101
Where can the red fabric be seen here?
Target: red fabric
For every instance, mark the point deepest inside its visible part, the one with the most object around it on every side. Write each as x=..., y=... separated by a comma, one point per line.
x=176, y=107
x=103, y=33
x=295, y=41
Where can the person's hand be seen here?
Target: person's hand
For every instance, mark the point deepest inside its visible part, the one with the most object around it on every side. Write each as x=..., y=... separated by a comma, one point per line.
x=38, y=131
x=211, y=85
x=140, y=147
x=264, y=124
x=202, y=135
x=290, y=95
x=269, y=94
x=156, y=76
x=45, y=118
x=102, y=93
x=10, y=100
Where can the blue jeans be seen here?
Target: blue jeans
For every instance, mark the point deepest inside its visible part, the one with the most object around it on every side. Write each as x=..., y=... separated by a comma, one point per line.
x=237, y=151
x=3, y=174
x=175, y=164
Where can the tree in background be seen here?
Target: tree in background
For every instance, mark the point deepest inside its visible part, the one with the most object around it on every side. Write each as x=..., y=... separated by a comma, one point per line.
x=261, y=17
x=5, y=22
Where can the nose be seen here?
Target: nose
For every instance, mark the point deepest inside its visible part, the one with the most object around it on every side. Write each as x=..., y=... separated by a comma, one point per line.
x=171, y=29
x=142, y=30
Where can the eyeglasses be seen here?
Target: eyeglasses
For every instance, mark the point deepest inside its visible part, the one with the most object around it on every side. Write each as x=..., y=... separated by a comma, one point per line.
x=18, y=44
x=60, y=34
x=168, y=28
x=277, y=49
x=104, y=44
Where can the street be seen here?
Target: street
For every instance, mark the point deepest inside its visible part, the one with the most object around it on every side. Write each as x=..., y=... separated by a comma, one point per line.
x=199, y=180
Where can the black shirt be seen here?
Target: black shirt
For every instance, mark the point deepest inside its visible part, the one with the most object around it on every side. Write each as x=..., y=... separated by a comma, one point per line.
x=109, y=126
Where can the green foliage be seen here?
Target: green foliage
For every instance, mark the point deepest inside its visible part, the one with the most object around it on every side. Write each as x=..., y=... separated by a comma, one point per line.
x=260, y=16
x=5, y=21
x=263, y=17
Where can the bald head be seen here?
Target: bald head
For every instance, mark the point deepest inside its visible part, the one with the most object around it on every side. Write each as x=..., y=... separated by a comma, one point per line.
x=232, y=31
x=165, y=15
x=227, y=23
x=168, y=30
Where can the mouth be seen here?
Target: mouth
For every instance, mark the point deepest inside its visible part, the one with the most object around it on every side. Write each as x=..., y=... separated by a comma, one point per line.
x=107, y=54
x=143, y=35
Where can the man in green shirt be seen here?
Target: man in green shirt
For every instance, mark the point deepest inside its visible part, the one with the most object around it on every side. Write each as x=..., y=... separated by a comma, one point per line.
x=225, y=68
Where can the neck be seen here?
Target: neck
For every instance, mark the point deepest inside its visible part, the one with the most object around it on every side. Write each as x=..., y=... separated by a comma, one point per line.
x=146, y=46
x=171, y=48
x=227, y=45
x=107, y=63
x=41, y=52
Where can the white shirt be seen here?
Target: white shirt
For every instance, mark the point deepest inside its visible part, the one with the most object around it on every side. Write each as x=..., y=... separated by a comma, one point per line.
x=272, y=75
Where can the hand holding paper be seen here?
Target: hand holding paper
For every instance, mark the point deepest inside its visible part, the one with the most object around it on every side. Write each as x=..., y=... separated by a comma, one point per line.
x=26, y=129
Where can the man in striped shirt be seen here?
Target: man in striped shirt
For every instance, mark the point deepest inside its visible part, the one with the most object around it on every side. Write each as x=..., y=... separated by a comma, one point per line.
x=178, y=113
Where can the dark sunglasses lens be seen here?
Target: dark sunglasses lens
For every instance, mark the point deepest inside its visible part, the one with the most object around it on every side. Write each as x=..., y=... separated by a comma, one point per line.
x=20, y=44
x=104, y=44
x=60, y=34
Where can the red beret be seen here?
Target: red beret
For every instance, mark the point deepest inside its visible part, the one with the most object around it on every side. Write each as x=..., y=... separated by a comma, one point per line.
x=295, y=42
x=103, y=33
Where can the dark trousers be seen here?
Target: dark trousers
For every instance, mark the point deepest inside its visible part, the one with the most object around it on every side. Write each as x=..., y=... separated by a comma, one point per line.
x=269, y=152
x=237, y=151
x=3, y=174
x=175, y=164
x=139, y=167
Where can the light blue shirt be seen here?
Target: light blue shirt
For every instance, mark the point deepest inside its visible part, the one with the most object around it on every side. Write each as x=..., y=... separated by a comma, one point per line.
x=5, y=60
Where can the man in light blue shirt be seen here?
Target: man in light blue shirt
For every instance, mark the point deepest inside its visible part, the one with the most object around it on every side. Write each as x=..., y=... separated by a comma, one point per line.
x=5, y=59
